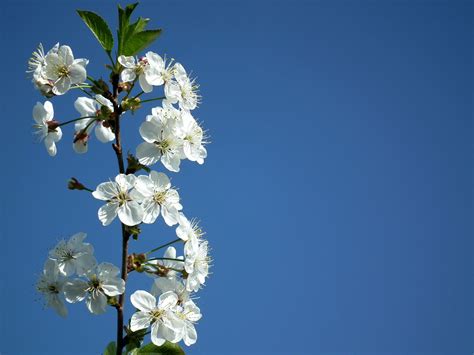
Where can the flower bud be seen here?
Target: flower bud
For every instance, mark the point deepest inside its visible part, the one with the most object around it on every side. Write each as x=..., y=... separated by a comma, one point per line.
x=131, y=104
x=74, y=184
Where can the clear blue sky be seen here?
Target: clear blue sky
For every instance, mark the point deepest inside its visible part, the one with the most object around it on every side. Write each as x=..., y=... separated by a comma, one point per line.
x=337, y=195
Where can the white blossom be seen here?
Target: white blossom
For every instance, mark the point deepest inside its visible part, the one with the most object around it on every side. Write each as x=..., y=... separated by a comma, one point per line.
x=150, y=69
x=158, y=195
x=73, y=256
x=35, y=67
x=102, y=282
x=161, y=143
x=191, y=233
x=197, y=267
x=190, y=314
x=164, y=284
x=184, y=90
x=63, y=70
x=46, y=127
x=51, y=284
x=192, y=135
x=92, y=108
x=121, y=200
x=161, y=315
x=168, y=263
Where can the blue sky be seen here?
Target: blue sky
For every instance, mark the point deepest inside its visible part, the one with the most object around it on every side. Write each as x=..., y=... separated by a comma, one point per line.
x=337, y=194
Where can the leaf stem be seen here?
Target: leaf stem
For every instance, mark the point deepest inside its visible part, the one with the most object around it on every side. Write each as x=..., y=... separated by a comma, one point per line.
x=76, y=119
x=172, y=259
x=162, y=246
x=149, y=100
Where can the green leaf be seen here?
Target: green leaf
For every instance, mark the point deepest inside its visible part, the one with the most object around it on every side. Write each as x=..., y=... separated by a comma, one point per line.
x=139, y=41
x=166, y=349
x=99, y=28
x=111, y=349
x=124, y=23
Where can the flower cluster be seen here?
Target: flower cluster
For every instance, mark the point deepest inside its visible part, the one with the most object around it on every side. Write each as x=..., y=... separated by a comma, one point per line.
x=170, y=134
x=94, y=283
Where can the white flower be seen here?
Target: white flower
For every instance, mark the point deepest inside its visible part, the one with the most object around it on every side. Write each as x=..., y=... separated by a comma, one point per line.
x=190, y=314
x=165, y=114
x=47, y=128
x=63, y=70
x=197, y=266
x=101, y=283
x=91, y=108
x=158, y=194
x=51, y=284
x=121, y=200
x=163, y=284
x=191, y=233
x=183, y=90
x=150, y=70
x=161, y=143
x=35, y=66
x=158, y=72
x=167, y=266
x=165, y=324
x=192, y=135
x=73, y=256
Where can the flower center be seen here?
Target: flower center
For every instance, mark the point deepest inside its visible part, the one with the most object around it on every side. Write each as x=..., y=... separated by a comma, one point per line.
x=63, y=70
x=53, y=289
x=123, y=197
x=94, y=284
x=164, y=146
x=160, y=197
x=156, y=314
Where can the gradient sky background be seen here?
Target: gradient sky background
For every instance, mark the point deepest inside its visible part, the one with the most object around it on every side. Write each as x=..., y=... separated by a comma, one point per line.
x=337, y=195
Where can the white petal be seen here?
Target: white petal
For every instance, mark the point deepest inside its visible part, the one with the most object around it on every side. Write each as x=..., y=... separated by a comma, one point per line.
x=65, y=55
x=157, y=334
x=77, y=74
x=97, y=303
x=151, y=211
x=148, y=153
x=160, y=180
x=75, y=290
x=108, y=212
x=55, y=303
x=62, y=85
x=171, y=162
x=190, y=334
x=114, y=287
x=130, y=213
x=127, y=61
x=50, y=146
x=85, y=106
x=105, y=191
x=126, y=182
x=167, y=300
x=150, y=131
x=143, y=301
x=145, y=186
x=128, y=75
x=107, y=270
x=140, y=320
x=146, y=87
x=104, y=134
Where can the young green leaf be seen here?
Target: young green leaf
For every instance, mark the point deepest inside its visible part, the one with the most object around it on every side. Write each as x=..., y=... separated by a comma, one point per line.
x=124, y=23
x=111, y=349
x=166, y=349
x=139, y=41
x=99, y=28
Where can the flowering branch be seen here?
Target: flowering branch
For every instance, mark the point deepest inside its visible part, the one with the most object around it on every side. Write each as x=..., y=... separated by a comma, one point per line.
x=170, y=134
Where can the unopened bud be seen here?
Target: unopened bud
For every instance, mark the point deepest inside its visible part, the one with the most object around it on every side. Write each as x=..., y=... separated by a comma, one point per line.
x=131, y=104
x=73, y=184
